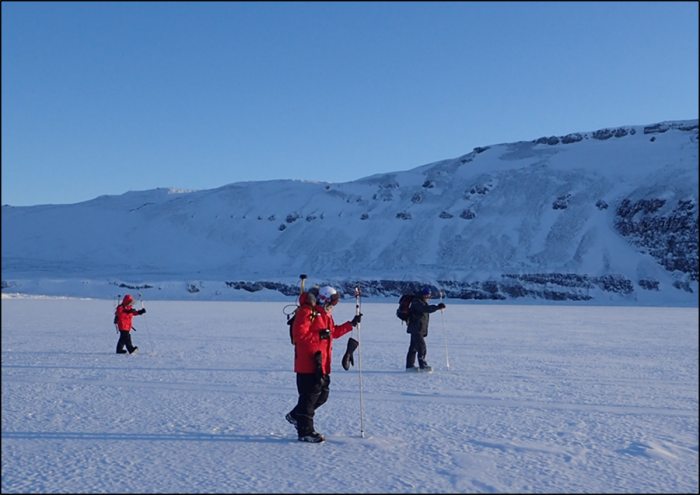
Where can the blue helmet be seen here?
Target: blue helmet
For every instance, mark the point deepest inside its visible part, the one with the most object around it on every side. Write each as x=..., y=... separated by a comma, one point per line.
x=426, y=291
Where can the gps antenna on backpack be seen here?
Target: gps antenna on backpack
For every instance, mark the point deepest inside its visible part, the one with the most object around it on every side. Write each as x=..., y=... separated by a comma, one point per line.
x=290, y=316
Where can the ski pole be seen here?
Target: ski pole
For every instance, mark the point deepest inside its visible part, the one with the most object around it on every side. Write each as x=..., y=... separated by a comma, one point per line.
x=359, y=358
x=442, y=312
x=147, y=330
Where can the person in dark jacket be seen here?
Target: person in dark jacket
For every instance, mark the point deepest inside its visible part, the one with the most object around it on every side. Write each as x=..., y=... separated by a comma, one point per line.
x=122, y=319
x=313, y=332
x=418, y=328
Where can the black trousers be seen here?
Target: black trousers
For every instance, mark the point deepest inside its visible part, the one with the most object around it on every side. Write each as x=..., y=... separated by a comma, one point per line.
x=124, y=340
x=417, y=346
x=313, y=393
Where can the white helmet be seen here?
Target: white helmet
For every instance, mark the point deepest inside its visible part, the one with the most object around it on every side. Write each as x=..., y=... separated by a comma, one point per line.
x=327, y=295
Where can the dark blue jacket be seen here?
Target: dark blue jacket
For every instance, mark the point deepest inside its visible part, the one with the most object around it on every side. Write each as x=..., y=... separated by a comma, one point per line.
x=420, y=315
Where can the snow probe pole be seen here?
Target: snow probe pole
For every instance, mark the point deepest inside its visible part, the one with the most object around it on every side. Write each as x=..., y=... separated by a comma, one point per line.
x=442, y=311
x=359, y=358
x=144, y=319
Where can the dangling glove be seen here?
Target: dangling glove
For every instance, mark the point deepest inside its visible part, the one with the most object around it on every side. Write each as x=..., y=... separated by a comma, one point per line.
x=348, y=358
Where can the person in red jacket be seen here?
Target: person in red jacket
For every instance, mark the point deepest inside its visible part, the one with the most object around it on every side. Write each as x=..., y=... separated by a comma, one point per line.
x=313, y=332
x=122, y=319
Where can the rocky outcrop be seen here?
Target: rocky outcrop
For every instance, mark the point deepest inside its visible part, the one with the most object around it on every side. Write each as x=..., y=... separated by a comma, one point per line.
x=670, y=235
x=544, y=286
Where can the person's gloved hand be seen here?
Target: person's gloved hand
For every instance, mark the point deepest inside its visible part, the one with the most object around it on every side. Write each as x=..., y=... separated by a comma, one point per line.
x=318, y=361
x=441, y=306
x=356, y=320
x=142, y=311
x=324, y=334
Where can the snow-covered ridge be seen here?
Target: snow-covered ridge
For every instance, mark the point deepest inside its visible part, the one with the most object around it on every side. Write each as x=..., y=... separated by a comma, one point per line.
x=619, y=132
x=609, y=218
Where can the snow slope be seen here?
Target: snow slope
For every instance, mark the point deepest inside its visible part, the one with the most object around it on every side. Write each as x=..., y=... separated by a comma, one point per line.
x=609, y=217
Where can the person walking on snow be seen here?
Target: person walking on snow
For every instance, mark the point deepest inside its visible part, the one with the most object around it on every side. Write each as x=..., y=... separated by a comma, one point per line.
x=418, y=328
x=313, y=332
x=122, y=319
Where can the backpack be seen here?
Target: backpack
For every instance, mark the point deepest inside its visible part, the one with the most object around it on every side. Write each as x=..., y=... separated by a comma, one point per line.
x=403, y=312
x=313, y=291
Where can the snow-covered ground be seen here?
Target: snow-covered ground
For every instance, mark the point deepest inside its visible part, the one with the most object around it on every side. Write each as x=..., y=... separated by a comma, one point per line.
x=537, y=399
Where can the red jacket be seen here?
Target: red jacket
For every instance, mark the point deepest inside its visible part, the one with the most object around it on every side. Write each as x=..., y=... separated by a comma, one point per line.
x=125, y=313
x=308, y=322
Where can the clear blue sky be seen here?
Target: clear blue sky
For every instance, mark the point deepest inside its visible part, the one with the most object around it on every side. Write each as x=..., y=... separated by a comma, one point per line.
x=106, y=97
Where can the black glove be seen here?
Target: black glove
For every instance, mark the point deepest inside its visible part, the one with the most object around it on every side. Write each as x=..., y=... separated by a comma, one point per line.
x=324, y=334
x=142, y=311
x=348, y=358
x=441, y=306
x=318, y=361
x=356, y=320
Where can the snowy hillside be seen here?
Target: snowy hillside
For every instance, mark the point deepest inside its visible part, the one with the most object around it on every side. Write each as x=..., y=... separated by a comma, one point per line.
x=609, y=217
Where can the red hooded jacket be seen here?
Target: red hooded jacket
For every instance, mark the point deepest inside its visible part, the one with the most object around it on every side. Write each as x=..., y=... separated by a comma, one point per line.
x=125, y=313
x=308, y=323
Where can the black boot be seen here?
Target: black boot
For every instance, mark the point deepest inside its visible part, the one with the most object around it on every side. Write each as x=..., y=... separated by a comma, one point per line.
x=313, y=437
x=348, y=358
